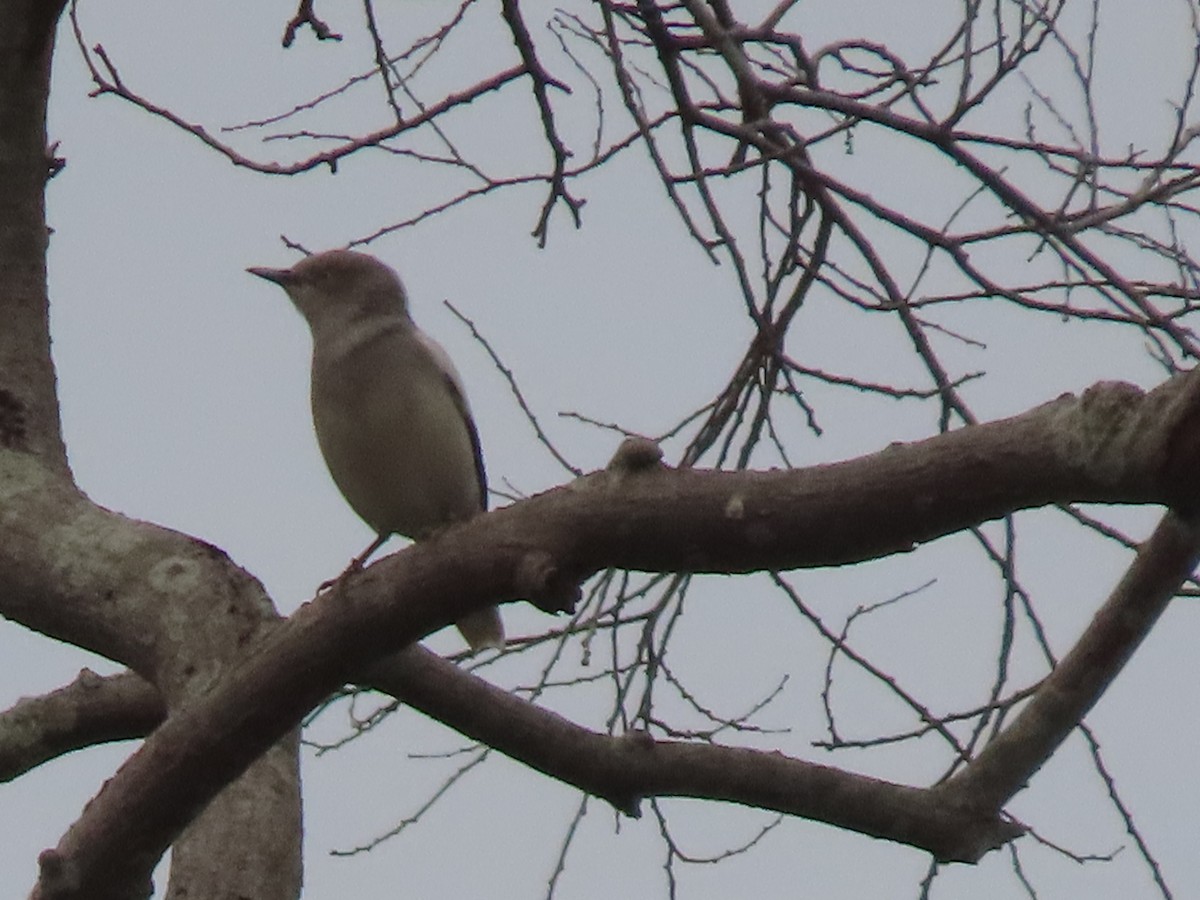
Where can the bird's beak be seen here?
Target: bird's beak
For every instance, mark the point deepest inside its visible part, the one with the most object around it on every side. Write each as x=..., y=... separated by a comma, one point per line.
x=281, y=277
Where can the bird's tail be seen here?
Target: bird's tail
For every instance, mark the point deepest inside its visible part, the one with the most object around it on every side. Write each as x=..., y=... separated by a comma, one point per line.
x=483, y=629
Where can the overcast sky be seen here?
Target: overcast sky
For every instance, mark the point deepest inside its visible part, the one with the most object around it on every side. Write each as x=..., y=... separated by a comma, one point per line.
x=184, y=399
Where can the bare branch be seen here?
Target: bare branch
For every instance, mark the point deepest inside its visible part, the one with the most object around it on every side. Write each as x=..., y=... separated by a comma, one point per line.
x=90, y=710
x=305, y=15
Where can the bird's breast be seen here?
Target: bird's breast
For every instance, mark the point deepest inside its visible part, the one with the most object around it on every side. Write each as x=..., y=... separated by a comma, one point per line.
x=394, y=439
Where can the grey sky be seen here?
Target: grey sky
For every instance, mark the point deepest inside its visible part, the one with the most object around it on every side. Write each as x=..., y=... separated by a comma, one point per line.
x=184, y=402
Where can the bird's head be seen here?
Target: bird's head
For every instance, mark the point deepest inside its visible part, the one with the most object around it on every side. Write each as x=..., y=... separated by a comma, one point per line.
x=339, y=284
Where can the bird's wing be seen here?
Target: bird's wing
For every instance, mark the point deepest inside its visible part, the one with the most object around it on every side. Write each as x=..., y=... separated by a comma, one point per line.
x=459, y=396
x=460, y=401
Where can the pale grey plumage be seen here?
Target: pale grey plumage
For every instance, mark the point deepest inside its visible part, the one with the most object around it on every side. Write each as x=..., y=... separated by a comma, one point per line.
x=388, y=407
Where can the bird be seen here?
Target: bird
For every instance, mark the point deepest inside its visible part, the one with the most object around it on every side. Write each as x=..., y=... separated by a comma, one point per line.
x=388, y=407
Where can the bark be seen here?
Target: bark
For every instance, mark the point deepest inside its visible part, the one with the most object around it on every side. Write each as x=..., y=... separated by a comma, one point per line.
x=128, y=590
x=1112, y=444
x=218, y=778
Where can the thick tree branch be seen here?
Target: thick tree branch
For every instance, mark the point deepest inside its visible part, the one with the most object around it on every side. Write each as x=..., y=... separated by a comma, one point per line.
x=103, y=581
x=1112, y=444
x=28, y=397
x=90, y=710
x=625, y=769
x=1081, y=678
x=622, y=770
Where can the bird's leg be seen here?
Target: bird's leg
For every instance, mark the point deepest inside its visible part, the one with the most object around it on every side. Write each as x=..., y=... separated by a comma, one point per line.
x=361, y=560
x=355, y=564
